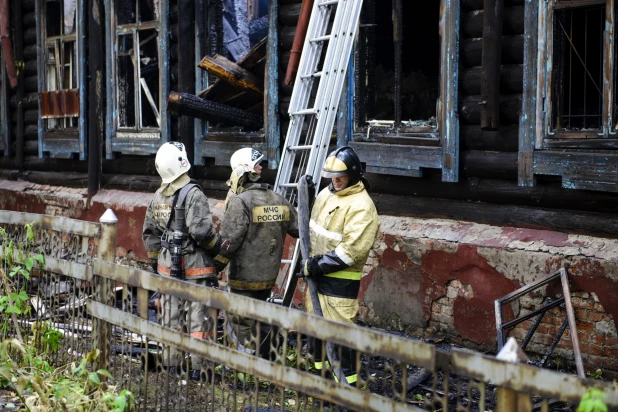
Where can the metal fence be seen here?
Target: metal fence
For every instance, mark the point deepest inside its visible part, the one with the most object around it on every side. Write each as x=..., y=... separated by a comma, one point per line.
x=244, y=353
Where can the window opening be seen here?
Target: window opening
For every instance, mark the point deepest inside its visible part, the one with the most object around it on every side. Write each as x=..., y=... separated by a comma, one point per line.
x=578, y=56
x=137, y=68
x=59, y=100
x=417, y=81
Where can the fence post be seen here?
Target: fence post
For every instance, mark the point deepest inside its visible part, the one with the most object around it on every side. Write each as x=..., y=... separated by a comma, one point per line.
x=507, y=399
x=104, y=288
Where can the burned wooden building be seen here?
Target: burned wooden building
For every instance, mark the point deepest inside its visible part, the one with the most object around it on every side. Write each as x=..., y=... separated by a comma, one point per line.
x=486, y=128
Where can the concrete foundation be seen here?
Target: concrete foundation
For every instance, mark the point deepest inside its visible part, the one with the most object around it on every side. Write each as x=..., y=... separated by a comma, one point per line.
x=428, y=277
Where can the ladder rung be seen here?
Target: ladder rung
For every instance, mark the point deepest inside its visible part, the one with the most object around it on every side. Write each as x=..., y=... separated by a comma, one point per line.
x=327, y=3
x=311, y=76
x=321, y=38
x=300, y=147
x=303, y=112
x=288, y=261
x=289, y=185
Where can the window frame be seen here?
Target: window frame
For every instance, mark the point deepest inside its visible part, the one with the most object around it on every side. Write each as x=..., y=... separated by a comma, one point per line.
x=427, y=147
x=546, y=135
x=143, y=140
x=67, y=142
x=583, y=164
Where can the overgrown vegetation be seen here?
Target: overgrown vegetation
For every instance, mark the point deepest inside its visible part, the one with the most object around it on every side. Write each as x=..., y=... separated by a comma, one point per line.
x=592, y=401
x=25, y=356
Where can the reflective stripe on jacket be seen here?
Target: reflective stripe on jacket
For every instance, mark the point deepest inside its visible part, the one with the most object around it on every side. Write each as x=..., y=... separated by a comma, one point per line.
x=346, y=224
x=199, y=233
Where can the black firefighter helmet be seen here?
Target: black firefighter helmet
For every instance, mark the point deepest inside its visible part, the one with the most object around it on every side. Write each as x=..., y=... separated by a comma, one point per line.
x=341, y=162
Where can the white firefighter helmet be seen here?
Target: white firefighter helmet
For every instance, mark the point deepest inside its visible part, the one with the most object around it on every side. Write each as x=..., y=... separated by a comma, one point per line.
x=245, y=159
x=171, y=161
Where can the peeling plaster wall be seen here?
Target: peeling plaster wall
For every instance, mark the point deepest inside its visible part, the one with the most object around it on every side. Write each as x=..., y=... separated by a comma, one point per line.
x=429, y=277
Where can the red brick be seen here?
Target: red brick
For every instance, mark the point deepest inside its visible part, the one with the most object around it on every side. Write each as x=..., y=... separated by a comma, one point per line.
x=582, y=303
x=554, y=320
x=598, y=307
x=610, y=353
x=542, y=339
x=565, y=344
x=599, y=339
x=585, y=327
x=594, y=316
x=589, y=349
x=581, y=314
x=611, y=342
x=525, y=324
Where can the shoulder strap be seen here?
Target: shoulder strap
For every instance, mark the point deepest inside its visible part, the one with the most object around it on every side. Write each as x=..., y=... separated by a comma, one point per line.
x=179, y=201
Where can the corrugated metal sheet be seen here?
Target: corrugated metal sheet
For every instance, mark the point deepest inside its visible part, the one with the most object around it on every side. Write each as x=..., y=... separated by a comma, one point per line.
x=59, y=104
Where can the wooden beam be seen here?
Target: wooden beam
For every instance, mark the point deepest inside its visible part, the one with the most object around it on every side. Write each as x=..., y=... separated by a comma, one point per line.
x=232, y=73
x=397, y=39
x=528, y=117
x=491, y=62
x=448, y=116
x=19, y=56
x=271, y=99
x=96, y=100
x=186, y=75
x=191, y=105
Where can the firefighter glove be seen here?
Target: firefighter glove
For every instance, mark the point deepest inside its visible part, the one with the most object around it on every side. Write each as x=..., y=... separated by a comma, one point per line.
x=212, y=281
x=310, y=267
x=220, y=262
x=154, y=263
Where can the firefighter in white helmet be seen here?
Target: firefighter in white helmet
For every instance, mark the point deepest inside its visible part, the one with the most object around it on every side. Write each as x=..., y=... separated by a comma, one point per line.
x=344, y=224
x=181, y=242
x=253, y=233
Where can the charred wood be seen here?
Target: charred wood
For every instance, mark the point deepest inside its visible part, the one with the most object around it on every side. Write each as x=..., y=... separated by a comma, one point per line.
x=30, y=36
x=232, y=73
x=286, y=37
x=190, y=105
x=472, y=22
x=490, y=73
x=31, y=84
x=501, y=215
x=511, y=80
x=29, y=19
x=512, y=51
x=471, y=137
x=30, y=68
x=27, y=5
x=30, y=52
x=510, y=105
x=469, y=5
x=289, y=14
x=186, y=63
x=497, y=165
x=17, y=10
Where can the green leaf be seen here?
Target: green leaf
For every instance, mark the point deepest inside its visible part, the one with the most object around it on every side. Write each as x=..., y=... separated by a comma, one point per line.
x=23, y=295
x=105, y=373
x=120, y=402
x=93, y=377
x=29, y=263
x=13, y=309
x=30, y=232
x=13, y=296
x=40, y=258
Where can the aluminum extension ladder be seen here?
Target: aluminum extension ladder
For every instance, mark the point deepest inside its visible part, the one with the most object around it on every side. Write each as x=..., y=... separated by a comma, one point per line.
x=311, y=125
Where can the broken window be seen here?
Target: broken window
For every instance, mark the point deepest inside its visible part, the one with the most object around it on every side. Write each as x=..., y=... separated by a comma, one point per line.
x=136, y=69
x=398, y=75
x=59, y=97
x=579, y=69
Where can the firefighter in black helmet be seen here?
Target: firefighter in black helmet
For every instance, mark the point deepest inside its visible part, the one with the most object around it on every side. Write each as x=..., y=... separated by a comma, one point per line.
x=344, y=224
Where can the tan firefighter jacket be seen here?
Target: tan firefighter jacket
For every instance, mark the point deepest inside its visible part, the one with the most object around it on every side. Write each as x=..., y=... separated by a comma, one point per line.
x=343, y=227
x=199, y=235
x=253, y=233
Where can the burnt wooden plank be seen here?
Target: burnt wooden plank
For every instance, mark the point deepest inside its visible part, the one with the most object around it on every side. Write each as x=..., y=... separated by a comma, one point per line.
x=511, y=80
x=472, y=22
x=498, y=165
x=512, y=51
x=568, y=221
x=289, y=14
x=490, y=73
x=232, y=73
x=191, y=105
x=505, y=140
x=579, y=170
x=96, y=101
x=222, y=151
x=588, y=143
x=510, y=105
x=528, y=117
x=398, y=156
x=16, y=9
x=186, y=62
x=468, y=5
x=397, y=39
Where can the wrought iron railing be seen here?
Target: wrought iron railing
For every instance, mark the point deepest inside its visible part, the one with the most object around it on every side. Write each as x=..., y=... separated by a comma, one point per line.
x=253, y=355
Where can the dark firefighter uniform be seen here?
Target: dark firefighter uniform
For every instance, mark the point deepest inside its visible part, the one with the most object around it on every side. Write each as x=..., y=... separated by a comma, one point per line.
x=253, y=233
x=198, y=243
x=343, y=227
